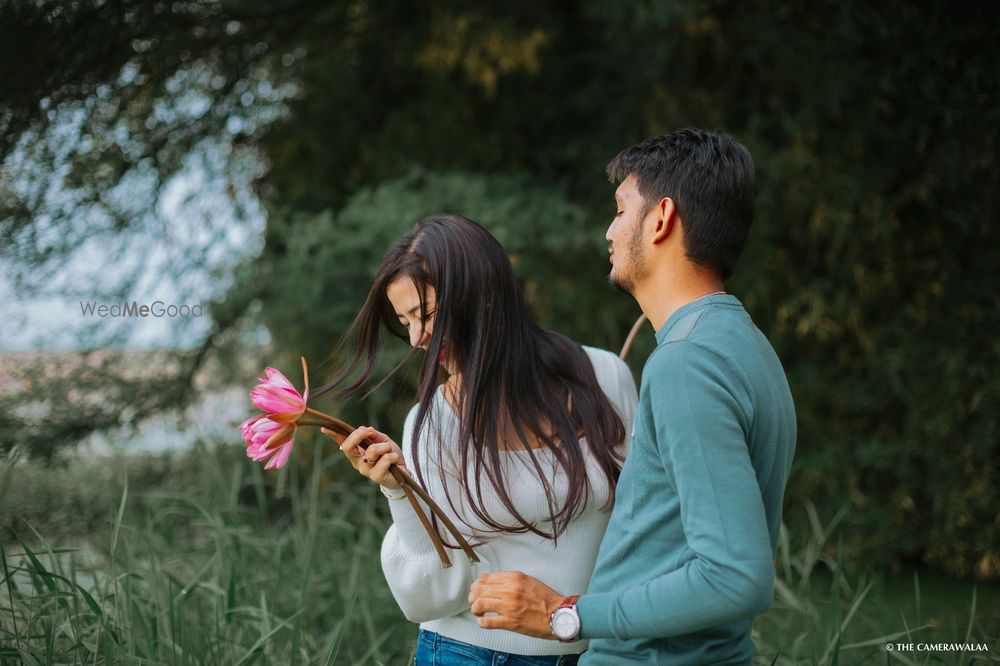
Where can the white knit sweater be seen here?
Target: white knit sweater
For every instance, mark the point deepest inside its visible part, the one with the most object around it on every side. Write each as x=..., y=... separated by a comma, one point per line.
x=437, y=597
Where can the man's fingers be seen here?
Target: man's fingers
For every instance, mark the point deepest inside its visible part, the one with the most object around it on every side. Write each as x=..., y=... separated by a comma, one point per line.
x=482, y=605
x=494, y=622
x=490, y=585
x=505, y=579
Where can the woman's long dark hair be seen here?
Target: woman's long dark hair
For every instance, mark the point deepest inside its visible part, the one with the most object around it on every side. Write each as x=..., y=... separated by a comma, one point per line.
x=514, y=374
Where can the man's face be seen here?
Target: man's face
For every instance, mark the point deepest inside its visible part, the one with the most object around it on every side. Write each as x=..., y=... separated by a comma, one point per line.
x=624, y=236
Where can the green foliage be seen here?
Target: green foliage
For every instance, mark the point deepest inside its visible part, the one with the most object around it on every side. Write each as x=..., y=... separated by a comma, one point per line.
x=199, y=558
x=318, y=283
x=61, y=398
x=871, y=264
x=874, y=131
x=202, y=558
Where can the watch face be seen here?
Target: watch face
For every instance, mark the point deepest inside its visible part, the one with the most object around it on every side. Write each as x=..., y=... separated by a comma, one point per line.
x=565, y=624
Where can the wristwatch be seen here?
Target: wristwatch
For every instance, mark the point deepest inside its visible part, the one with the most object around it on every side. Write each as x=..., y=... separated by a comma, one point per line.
x=565, y=621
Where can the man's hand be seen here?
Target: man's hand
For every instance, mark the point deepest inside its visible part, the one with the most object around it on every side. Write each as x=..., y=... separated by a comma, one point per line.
x=522, y=603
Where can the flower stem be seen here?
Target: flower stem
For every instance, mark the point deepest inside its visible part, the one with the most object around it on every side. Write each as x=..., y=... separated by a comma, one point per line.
x=409, y=485
x=311, y=422
x=424, y=520
x=325, y=417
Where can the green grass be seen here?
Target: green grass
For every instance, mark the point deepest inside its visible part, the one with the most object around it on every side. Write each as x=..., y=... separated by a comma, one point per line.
x=220, y=565
x=823, y=615
x=202, y=558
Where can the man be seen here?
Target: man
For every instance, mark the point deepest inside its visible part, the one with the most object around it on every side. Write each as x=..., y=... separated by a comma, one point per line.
x=687, y=561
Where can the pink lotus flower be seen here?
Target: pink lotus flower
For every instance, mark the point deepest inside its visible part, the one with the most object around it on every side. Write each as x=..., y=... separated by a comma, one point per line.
x=271, y=436
x=266, y=438
x=276, y=395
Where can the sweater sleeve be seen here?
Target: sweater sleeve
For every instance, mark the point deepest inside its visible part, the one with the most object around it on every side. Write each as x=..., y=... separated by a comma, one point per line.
x=424, y=589
x=700, y=437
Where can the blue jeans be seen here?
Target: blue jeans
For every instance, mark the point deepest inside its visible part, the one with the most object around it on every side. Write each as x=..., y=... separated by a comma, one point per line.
x=437, y=650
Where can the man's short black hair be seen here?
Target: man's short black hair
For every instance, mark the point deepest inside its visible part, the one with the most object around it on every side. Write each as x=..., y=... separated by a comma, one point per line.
x=710, y=177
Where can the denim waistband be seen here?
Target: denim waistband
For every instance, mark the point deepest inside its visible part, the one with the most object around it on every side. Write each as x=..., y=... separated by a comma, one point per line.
x=433, y=649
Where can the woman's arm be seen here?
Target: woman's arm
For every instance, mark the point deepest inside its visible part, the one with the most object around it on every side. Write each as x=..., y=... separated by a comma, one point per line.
x=423, y=588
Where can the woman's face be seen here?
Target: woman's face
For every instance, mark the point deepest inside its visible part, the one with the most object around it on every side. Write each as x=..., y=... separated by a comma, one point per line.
x=405, y=299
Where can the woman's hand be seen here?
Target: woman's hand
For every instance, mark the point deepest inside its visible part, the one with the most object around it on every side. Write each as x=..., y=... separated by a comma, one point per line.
x=374, y=461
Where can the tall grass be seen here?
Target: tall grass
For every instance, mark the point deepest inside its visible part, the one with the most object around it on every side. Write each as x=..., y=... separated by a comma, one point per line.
x=202, y=559
x=223, y=566
x=823, y=615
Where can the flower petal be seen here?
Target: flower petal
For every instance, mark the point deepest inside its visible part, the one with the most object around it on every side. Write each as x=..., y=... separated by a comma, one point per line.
x=275, y=399
x=276, y=378
x=280, y=458
x=246, y=428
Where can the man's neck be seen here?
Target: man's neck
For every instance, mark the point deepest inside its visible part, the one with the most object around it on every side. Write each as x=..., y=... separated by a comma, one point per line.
x=661, y=297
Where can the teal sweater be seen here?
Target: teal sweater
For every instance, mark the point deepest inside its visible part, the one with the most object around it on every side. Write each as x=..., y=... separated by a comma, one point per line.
x=688, y=558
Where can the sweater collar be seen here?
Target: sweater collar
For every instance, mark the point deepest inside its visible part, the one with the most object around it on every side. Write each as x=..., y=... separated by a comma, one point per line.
x=692, y=307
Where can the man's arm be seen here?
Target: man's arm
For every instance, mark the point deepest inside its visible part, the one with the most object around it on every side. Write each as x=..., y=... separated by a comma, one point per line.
x=701, y=437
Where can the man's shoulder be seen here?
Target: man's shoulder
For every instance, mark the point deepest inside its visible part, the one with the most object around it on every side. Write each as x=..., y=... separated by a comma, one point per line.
x=677, y=366
x=712, y=333
x=669, y=355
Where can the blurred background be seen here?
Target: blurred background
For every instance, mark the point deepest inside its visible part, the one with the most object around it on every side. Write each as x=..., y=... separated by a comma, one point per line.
x=246, y=165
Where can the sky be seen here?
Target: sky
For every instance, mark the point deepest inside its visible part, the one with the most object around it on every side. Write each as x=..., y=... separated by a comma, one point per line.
x=198, y=234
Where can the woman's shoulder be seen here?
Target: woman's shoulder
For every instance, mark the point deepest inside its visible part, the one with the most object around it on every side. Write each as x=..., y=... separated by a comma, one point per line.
x=614, y=377
x=440, y=422
x=606, y=363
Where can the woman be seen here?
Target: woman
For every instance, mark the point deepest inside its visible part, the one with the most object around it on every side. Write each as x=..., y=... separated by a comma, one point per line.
x=521, y=443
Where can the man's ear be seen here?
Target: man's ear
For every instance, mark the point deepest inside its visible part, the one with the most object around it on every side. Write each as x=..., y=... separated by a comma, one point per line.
x=665, y=219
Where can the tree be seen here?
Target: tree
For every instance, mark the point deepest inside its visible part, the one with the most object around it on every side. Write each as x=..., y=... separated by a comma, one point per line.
x=870, y=265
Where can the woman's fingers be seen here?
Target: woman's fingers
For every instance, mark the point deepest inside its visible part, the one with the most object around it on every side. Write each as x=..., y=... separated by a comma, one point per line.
x=377, y=437
x=353, y=441
x=381, y=456
x=379, y=472
x=374, y=461
x=376, y=451
x=351, y=445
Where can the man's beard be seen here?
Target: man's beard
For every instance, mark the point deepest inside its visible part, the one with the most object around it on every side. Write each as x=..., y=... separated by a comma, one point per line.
x=634, y=268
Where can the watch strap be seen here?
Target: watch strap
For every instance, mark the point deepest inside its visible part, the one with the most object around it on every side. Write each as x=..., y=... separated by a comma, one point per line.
x=569, y=602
